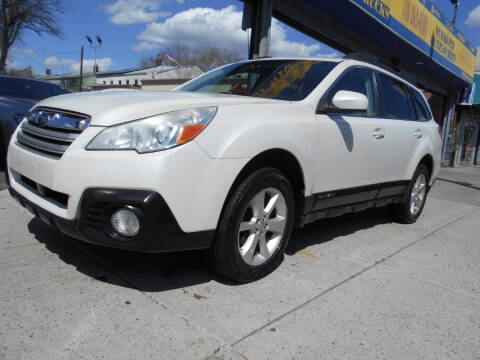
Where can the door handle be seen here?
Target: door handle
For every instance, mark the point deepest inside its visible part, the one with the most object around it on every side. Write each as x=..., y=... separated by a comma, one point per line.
x=418, y=134
x=378, y=134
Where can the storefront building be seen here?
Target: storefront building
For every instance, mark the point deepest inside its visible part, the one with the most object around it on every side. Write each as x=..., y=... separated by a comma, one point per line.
x=467, y=129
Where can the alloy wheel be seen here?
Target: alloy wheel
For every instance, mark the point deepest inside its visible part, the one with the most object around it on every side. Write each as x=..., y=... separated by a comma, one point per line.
x=417, y=195
x=262, y=226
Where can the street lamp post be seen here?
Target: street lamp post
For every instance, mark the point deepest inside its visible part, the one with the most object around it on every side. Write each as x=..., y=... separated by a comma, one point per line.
x=455, y=3
x=95, y=47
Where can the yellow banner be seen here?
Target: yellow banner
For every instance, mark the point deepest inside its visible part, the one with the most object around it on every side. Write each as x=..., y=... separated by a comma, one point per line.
x=427, y=25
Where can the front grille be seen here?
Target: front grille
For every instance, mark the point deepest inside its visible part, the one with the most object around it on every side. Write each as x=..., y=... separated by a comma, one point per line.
x=54, y=136
x=46, y=193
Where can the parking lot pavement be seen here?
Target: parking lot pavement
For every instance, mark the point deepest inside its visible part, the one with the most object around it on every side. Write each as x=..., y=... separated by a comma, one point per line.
x=358, y=286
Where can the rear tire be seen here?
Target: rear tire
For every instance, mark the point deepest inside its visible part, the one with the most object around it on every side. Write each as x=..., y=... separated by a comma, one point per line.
x=254, y=227
x=410, y=210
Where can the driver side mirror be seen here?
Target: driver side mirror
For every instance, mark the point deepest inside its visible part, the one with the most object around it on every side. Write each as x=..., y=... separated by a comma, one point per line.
x=345, y=102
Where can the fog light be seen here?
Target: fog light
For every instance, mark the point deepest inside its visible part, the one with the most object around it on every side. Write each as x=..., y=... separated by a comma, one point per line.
x=125, y=222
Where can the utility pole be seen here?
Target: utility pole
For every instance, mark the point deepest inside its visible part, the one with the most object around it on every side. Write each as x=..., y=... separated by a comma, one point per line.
x=81, y=69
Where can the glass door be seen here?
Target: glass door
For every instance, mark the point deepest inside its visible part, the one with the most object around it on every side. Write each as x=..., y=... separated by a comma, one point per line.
x=468, y=143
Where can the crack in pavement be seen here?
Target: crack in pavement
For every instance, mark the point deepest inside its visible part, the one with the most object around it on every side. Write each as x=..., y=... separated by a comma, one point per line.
x=350, y=278
x=181, y=316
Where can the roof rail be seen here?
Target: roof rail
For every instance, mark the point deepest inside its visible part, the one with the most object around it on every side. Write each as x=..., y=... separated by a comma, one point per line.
x=392, y=65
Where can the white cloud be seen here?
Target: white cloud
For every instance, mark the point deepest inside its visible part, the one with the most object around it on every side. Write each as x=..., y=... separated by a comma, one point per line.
x=54, y=62
x=221, y=28
x=12, y=65
x=74, y=66
x=134, y=11
x=329, y=55
x=103, y=65
x=473, y=18
x=21, y=53
x=145, y=45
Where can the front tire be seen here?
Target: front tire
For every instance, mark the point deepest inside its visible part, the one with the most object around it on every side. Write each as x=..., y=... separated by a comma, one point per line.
x=255, y=227
x=409, y=211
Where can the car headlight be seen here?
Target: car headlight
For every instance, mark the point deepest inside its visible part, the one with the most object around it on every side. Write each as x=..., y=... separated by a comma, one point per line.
x=155, y=133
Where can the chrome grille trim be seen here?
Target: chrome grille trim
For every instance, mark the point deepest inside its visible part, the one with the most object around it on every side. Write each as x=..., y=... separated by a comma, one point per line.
x=40, y=145
x=52, y=137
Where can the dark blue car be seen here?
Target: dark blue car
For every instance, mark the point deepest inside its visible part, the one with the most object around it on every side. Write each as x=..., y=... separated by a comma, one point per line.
x=17, y=96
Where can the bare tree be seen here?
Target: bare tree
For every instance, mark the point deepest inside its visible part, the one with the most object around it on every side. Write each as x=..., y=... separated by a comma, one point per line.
x=28, y=72
x=16, y=16
x=206, y=58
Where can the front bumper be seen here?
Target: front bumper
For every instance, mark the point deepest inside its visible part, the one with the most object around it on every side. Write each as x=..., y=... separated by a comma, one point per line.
x=159, y=230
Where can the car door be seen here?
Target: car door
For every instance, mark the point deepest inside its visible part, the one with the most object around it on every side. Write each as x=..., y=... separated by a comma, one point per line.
x=403, y=133
x=350, y=145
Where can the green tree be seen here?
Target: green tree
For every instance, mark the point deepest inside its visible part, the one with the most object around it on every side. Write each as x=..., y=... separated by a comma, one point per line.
x=16, y=16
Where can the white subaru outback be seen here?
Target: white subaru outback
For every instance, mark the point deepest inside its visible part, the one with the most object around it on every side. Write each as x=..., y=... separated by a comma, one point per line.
x=232, y=160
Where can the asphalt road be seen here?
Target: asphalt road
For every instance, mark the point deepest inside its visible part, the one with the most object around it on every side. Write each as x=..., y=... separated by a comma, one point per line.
x=358, y=287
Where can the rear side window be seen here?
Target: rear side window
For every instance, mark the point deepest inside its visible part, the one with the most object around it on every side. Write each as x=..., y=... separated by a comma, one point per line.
x=358, y=80
x=394, y=99
x=421, y=108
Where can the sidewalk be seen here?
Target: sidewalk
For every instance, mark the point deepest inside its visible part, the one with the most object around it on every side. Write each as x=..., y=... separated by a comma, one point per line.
x=358, y=287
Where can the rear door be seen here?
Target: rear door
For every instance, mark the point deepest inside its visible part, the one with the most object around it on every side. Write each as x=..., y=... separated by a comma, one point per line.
x=403, y=131
x=350, y=146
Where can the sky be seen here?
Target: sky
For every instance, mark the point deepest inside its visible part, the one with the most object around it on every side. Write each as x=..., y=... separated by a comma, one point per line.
x=132, y=28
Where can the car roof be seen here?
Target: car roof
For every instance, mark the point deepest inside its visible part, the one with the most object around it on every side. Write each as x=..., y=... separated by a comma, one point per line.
x=20, y=77
x=317, y=58
x=349, y=60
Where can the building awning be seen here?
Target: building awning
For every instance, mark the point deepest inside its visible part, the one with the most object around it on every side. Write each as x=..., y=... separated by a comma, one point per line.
x=412, y=31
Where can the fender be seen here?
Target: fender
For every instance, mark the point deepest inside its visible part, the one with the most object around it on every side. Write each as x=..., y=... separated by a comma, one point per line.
x=225, y=138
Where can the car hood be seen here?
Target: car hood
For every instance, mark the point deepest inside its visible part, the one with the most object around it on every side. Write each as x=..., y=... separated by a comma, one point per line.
x=110, y=107
x=16, y=105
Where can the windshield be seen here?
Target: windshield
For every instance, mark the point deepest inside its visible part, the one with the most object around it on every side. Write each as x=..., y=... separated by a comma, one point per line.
x=29, y=89
x=290, y=80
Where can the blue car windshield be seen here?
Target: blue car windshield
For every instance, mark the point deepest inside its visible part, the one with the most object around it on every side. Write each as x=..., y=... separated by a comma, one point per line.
x=290, y=80
x=29, y=89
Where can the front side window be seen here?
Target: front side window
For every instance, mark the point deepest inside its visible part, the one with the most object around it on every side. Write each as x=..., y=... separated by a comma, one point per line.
x=394, y=99
x=290, y=80
x=358, y=80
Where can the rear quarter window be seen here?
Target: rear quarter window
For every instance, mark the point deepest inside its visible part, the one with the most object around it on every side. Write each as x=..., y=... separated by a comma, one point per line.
x=421, y=108
x=394, y=99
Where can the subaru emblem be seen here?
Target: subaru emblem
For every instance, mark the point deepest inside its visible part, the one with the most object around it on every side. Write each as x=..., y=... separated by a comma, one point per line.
x=42, y=119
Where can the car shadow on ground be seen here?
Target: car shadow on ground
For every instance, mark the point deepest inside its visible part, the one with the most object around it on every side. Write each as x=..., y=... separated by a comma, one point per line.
x=167, y=271
x=326, y=230
x=460, y=183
